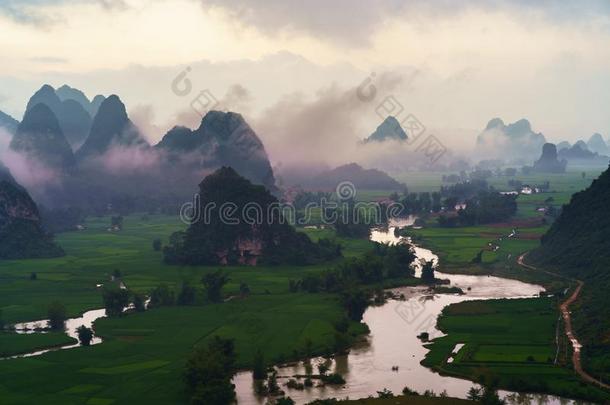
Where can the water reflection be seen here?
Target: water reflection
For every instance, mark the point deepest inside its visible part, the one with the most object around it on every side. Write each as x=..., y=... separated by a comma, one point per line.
x=391, y=355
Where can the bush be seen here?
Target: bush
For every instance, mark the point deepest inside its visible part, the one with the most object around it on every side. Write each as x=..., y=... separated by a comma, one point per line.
x=139, y=302
x=187, y=294
x=115, y=300
x=333, y=379
x=57, y=315
x=385, y=393
x=409, y=391
x=209, y=372
x=85, y=335
x=162, y=296
x=294, y=384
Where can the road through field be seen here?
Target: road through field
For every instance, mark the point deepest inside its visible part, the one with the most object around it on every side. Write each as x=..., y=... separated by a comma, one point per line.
x=567, y=319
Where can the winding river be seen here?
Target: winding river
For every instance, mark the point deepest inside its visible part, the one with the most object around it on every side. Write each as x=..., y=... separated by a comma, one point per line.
x=393, y=342
x=391, y=355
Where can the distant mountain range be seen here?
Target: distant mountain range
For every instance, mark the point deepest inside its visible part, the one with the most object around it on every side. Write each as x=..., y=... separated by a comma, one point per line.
x=66, y=92
x=115, y=161
x=513, y=141
x=597, y=144
x=580, y=154
x=73, y=117
x=40, y=138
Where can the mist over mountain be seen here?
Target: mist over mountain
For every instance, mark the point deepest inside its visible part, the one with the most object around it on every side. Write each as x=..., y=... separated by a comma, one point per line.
x=515, y=141
x=548, y=162
x=597, y=144
x=5, y=174
x=563, y=145
x=73, y=118
x=111, y=127
x=40, y=138
x=222, y=139
x=389, y=129
x=365, y=179
x=580, y=155
x=21, y=232
x=8, y=123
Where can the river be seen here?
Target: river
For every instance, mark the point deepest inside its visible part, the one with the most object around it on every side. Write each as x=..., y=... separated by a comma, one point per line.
x=391, y=355
x=390, y=358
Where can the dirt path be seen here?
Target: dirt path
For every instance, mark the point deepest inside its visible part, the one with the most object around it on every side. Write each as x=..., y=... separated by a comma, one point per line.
x=567, y=319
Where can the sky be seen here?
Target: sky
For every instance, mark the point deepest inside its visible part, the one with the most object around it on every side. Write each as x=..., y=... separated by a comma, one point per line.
x=283, y=63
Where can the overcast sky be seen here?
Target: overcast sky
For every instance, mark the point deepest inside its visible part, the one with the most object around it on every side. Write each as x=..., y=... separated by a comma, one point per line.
x=453, y=66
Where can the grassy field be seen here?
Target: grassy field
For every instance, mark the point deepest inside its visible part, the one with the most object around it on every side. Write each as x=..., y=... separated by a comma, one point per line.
x=143, y=355
x=512, y=340
x=12, y=343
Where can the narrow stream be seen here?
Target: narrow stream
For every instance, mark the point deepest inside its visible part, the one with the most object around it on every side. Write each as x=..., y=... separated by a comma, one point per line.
x=72, y=324
x=391, y=356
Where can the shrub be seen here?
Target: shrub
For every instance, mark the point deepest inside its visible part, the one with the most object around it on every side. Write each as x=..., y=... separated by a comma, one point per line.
x=85, y=335
x=57, y=315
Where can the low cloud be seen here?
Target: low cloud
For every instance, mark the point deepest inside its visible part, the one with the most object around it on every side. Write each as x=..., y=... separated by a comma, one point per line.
x=126, y=160
x=27, y=172
x=327, y=129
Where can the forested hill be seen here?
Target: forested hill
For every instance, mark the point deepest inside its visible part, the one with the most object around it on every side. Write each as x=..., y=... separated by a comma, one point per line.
x=578, y=245
x=578, y=242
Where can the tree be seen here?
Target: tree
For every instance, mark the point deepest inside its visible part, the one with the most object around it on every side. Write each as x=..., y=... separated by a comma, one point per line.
x=356, y=303
x=213, y=283
x=157, y=245
x=139, y=302
x=33, y=276
x=209, y=371
x=1, y=321
x=162, y=296
x=474, y=394
x=284, y=401
x=187, y=294
x=115, y=300
x=427, y=271
x=323, y=368
x=385, y=393
x=57, y=315
x=259, y=371
x=85, y=335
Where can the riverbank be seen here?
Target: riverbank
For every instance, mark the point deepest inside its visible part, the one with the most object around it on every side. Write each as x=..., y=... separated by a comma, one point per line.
x=509, y=340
